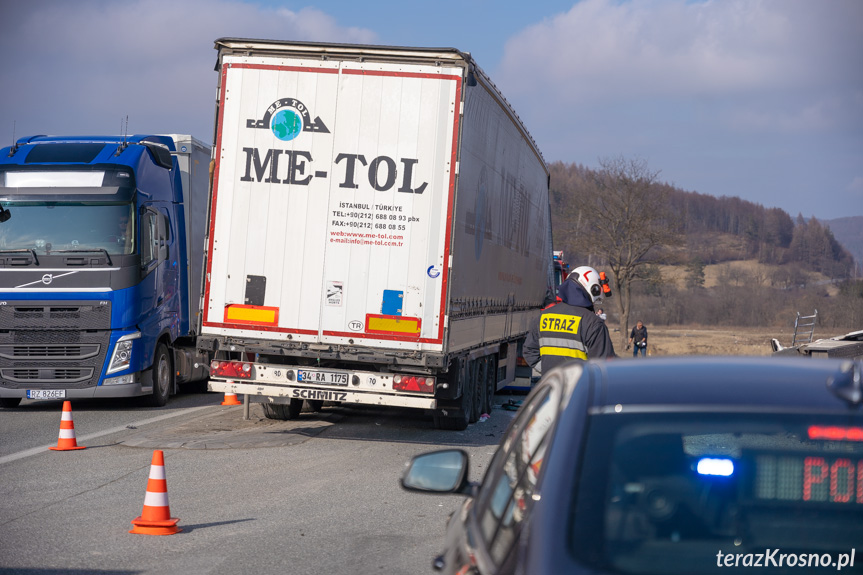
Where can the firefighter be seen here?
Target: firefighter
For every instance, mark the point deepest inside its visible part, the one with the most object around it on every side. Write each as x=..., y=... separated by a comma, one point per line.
x=570, y=329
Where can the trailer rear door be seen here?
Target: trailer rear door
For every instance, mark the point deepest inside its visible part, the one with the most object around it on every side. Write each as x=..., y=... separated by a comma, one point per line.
x=332, y=201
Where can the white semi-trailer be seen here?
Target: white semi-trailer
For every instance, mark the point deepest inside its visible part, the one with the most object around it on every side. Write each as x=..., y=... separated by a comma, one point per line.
x=379, y=230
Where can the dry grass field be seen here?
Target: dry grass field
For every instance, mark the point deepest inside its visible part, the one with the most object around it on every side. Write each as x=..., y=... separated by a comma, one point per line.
x=738, y=273
x=700, y=340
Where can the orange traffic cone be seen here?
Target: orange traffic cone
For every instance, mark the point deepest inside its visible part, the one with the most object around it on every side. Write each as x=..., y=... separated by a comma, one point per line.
x=156, y=517
x=231, y=398
x=67, y=441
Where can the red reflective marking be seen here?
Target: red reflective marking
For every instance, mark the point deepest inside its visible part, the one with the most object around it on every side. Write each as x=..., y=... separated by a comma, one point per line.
x=808, y=479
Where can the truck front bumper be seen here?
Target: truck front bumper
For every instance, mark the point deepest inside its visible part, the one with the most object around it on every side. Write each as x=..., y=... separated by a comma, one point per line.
x=95, y=392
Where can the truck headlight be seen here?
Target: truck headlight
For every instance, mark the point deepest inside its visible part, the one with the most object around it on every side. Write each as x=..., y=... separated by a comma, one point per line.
x=121, y=357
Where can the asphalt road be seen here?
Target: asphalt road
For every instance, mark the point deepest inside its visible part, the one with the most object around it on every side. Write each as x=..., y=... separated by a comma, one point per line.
x=317, y=495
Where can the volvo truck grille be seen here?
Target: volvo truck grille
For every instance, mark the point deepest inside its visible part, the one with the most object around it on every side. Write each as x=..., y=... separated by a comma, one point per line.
x=81, y=315
x=53, y=345
x=47, y=375
x=48, y=351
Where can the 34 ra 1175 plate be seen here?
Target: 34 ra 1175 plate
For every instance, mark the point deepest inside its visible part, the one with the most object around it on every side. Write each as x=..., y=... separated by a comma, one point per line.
x=325, y=377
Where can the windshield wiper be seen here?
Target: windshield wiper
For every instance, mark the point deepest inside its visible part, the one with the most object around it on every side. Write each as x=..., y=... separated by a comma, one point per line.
x=86, y=251
x=13, y=261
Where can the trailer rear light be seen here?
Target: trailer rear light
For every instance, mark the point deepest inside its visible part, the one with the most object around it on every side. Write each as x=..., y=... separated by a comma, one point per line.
x=521, y=362
x=420, y=384
x=231, y=369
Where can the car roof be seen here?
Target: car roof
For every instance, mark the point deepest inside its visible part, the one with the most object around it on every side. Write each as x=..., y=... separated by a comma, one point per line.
x=727, y=383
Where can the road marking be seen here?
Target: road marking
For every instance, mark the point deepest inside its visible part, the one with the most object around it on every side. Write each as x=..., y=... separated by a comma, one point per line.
x=37, y=450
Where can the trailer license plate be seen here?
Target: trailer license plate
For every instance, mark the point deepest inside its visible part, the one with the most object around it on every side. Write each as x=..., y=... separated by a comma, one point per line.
x=327, y=377
x=46, y=394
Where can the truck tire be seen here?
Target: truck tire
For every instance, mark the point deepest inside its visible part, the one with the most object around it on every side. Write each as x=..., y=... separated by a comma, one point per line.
x=283, y=411
x=8, y=402
x=464, y=405
x=162, y=373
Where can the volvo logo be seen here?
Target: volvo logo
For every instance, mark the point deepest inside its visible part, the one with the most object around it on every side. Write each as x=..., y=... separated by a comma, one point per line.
x=46, y=279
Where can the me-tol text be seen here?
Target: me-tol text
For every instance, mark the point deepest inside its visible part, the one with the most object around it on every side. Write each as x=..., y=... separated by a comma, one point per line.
x=294, y=167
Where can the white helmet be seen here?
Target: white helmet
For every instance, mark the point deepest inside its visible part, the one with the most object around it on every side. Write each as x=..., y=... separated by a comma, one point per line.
x=589, y=280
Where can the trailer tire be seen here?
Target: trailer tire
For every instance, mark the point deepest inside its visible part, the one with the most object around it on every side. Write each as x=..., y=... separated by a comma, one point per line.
x=283, y=411
x=162, y=374
x=316, y=405
x=9, y=402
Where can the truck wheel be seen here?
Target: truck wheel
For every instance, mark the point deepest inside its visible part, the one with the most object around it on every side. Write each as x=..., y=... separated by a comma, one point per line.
x=464, y=404
x=9, y=401
x=162, y=373
x=283, y=411
x=316, y=405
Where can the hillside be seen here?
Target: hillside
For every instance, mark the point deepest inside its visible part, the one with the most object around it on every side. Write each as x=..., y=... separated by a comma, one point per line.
x=711, y=229
x=720, y=262
x=849, y=233
x=744, y=273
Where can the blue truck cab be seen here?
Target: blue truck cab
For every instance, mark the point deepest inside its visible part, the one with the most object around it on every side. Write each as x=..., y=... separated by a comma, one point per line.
x=101, y=252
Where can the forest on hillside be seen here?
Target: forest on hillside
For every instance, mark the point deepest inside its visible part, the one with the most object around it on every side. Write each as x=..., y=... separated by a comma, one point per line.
x=702, y=230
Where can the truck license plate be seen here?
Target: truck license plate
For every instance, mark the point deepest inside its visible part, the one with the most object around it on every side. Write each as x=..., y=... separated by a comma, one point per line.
x=46, y=394
x=327, y=377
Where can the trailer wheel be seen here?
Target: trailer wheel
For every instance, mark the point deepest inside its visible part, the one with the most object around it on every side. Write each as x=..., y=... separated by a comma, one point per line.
x=162, y=373
x=316, y=405
x=283, y=411
x=9, y=401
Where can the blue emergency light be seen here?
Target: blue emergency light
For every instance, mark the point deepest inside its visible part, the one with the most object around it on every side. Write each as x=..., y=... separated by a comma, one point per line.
x=722, y=467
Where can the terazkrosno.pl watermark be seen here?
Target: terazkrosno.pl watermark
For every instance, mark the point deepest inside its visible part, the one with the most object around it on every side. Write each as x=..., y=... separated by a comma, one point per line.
x=776, y=558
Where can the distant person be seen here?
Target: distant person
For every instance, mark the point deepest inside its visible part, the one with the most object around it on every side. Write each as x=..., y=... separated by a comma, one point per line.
x=600, y=313
x=638, y=339
x=570, y=329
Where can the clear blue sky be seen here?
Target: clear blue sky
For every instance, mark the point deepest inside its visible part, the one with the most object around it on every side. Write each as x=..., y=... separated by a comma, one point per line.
x=761, y=99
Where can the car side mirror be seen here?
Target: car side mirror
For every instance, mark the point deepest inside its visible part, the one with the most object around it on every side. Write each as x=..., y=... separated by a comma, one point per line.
x=438, y=472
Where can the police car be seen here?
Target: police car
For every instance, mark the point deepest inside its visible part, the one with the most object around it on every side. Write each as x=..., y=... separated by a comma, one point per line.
x=673, y=466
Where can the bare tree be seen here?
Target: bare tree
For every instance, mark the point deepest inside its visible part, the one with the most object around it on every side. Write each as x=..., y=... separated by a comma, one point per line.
x=623, y=222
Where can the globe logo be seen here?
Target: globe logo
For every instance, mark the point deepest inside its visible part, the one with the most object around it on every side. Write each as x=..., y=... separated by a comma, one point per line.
x=286, y=125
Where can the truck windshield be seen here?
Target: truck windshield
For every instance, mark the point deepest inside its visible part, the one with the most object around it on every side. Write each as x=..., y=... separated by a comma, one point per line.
x=680, y=493
x=46, y=226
